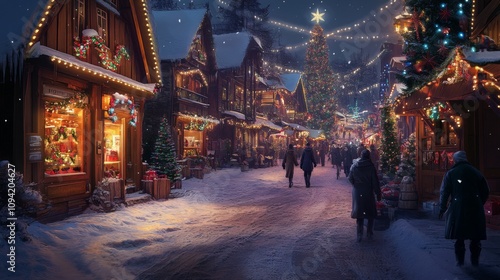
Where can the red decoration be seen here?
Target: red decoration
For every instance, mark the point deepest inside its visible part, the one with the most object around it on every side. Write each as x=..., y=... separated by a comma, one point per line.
x=445, y=14
x=428, y=61
x=443, y=50
x=415, y=18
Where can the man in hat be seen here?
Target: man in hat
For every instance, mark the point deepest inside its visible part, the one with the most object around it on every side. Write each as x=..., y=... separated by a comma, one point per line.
x=464, y=214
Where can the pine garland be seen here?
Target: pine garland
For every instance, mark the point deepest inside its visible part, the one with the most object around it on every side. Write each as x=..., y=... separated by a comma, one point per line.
x=110, y=63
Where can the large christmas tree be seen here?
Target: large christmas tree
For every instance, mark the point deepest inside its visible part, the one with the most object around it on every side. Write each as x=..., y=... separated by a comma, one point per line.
x=390, y=147
x=163, y=159
x=319, y=83
x=436, y=28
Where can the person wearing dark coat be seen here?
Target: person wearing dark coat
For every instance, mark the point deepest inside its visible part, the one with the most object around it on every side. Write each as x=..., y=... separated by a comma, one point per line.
x=289, y=162
x=336, y=159
x=307, y=163
x=347, y=159
x=323, y=150
x=464, y=216
x=364, y=180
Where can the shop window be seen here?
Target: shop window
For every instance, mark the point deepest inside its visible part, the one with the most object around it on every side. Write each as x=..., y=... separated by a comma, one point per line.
x=438, y=146
x=113, y=148
x=63, y=140
x=102, y=24
x=444, y=134
x=78, y=17
x=193, y=142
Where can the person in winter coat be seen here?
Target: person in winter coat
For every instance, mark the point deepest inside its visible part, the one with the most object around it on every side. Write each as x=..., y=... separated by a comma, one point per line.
x=336, y=158
x=289, y=161
x=323, y=150
x=464, y=215
x=307, y=163
x=347, y=159
x=374, y=155
x=364, y=180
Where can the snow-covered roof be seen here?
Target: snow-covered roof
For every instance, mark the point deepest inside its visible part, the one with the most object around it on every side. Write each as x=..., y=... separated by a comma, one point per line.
x=482, y=57
x=230, y=49
x=316, y=133
x=397, y=90
x=238, y=115
x=290, y=80
x=295, y=126
x=38, y=50
x=175, y=31
x=17, y=23
x=268, y=123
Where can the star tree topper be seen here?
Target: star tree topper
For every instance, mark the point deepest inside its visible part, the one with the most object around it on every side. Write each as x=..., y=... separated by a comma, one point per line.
x=317, y=16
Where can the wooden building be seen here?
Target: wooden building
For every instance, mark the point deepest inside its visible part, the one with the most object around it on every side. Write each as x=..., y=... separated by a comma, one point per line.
x=89, y=66
x=460, y=110
x=239, y=62
x=187, y=56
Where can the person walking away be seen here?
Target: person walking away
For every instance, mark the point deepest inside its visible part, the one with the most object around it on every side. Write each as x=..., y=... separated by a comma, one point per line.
x=289, y=162
x=336, y=159
x=361, y=148
x=364, y=180
x=347, y=159
x=464, y=215
x=323, y=150
x=307, y=163
x=375, y=156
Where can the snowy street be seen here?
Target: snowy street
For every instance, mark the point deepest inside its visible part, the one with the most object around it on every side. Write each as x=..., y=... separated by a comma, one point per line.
x=241, y=225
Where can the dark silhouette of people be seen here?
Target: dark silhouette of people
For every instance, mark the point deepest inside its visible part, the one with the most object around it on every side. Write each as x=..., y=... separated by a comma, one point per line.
x=464, y=214
x=364, y=180
x=289, y=163
x=307, y=163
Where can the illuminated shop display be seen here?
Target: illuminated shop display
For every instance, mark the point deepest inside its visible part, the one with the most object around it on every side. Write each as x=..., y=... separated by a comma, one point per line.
x=63, y=138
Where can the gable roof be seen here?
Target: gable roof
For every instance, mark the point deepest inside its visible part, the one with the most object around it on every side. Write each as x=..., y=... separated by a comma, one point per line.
x=231, y=48
x=175, y=31
x=19, y=29
x=290, y=80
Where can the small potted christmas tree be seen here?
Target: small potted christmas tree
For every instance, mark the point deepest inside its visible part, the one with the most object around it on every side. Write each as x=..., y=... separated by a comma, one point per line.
x=163, y=159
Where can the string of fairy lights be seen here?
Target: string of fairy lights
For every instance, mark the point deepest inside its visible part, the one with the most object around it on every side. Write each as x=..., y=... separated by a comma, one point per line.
x=355, y=71
x=333, y=34
x=363, y=90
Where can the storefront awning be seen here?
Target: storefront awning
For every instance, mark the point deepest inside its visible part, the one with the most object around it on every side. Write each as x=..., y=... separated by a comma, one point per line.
x=235, y=114
x=73, y=62
x=316, y=133
x=267, y=123
x=198, y=118
x=295, y=126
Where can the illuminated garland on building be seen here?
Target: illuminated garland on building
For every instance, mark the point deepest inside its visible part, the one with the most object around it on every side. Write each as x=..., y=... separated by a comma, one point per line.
x=198, y=123
x=78, y=100
x=92, y=37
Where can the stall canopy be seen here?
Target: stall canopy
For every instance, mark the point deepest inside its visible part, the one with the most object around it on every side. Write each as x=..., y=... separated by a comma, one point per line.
x=265, y=122
x=295, y=126
x=316, y=134
x=235, y=114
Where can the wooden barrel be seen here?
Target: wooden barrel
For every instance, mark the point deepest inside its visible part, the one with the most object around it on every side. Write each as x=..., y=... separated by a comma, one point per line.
x=408, y=197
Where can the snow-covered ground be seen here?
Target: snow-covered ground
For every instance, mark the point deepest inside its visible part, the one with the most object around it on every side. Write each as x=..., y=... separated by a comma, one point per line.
x=242, y=225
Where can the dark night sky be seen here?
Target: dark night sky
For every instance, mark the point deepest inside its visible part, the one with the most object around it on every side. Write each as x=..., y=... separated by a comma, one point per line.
x=338, y=14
